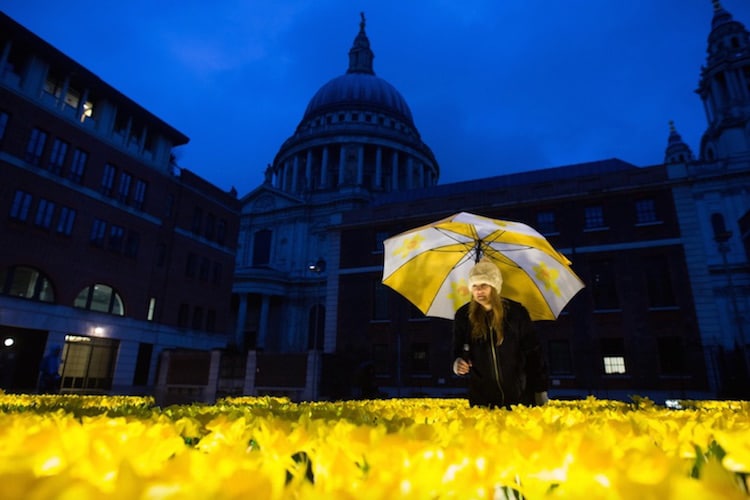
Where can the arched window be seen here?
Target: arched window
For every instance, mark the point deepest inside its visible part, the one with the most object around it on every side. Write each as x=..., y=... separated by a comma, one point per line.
x=26, y=282
x=102, y=298
x=721, y=233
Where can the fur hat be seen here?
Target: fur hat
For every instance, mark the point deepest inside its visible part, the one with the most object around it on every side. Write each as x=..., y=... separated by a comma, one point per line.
x=485, y=271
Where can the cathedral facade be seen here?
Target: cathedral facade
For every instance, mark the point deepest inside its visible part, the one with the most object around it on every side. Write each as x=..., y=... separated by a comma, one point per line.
x=662, y=249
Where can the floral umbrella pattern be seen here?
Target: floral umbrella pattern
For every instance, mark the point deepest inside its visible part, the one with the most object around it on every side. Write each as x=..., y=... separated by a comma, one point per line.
x=430, y=265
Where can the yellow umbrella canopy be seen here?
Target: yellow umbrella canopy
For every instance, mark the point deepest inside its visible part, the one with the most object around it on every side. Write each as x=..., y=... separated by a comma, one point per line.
x=430, y=265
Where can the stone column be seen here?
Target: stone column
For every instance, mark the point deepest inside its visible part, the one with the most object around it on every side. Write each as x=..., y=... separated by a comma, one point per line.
x=239, y=329
x=410, y=172
x=309, y=182
x=378, y=167
x=295, y=175
x=324, y=168
x=360, y=165
x=342, y=162
x=263, y=322
x=394, y=168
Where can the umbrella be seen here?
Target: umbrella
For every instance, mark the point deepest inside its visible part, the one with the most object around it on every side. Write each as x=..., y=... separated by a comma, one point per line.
x=430, y=265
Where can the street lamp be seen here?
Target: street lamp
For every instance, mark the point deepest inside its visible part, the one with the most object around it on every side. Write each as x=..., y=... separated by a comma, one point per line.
x=317, y=267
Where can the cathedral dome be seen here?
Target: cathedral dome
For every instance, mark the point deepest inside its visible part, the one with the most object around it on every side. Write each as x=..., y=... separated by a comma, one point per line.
x=361, y=90
x=356, y=132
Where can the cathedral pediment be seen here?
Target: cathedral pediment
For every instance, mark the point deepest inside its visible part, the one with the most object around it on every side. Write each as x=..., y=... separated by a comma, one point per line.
x=267, y=198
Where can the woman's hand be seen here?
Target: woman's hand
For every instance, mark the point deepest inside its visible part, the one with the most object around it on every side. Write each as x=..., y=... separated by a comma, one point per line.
x=461, y=366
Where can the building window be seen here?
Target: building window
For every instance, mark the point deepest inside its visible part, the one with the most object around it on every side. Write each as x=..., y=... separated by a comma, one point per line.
x=116, y=238
x=211, y=320
x=108, y=179
x=123, y=189
x=78, y=165
x=4, y=117
x=380, y=358
x=182, y=315
x=197, y=220
x=204, y=268
x=57, y=156
x=645, y=212
x=216, y=277
x=614, y=364
x=210, y=226
x=559, y=357
x=98, y=230
x=545, y=222
x=613, y=355
x=594, y=217
x=35, y=146
x=26, y=282
x=161, y=254
x=420, y=358
x=89, y=363
x=221, y=231
x=671, y=355
x=262, y=248
x=132, y=242
x=197, y=318
x=191, y=265
x=603, y=286
x=19, y=210
x=658, y=281
x=65, y=220
x=44, y=213
x=380, y=310
x=102, y=298
x=139, y=194
x=151, y=309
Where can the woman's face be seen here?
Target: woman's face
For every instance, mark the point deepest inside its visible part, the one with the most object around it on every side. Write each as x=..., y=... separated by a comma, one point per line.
x=482, y=292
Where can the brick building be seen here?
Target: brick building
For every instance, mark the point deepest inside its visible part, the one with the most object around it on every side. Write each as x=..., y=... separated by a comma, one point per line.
x=109, y=249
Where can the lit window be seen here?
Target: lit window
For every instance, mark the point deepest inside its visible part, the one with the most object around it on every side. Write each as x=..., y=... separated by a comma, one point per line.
x=26, y=282
x=151, y=309
x=614, y=364
x=102, y=298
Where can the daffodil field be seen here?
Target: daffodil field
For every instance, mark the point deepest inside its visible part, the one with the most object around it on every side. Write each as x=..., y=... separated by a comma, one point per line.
x=81, y=447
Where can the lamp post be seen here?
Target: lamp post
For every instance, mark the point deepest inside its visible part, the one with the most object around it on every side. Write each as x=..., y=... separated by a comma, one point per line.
x=317, y=268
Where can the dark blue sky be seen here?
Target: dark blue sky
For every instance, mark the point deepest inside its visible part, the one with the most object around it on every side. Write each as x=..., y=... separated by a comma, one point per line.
x=494, y=86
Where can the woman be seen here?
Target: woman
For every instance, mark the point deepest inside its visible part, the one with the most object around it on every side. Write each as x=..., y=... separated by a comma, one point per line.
x=496, y=345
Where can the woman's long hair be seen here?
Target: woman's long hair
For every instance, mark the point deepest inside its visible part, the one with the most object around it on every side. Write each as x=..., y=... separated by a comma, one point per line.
x=480, y=318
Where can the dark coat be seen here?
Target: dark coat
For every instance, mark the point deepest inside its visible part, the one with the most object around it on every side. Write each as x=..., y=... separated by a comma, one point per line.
x=507, y=374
